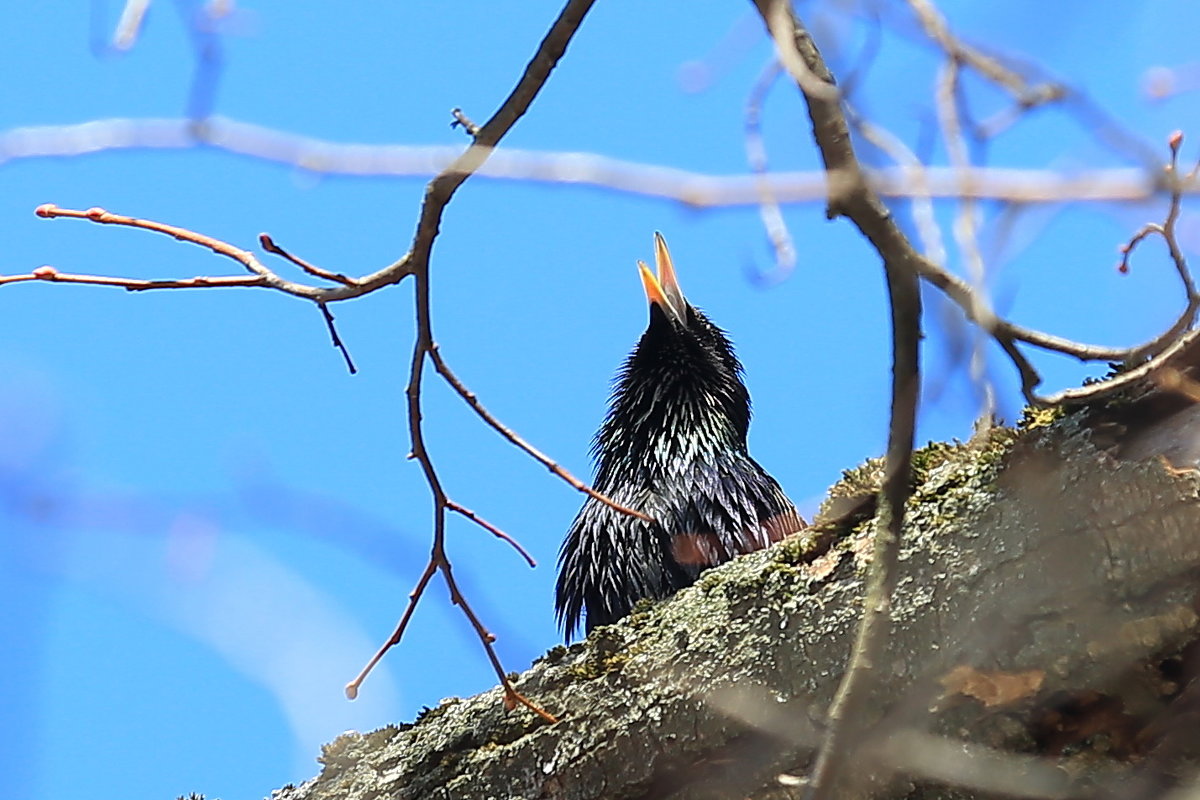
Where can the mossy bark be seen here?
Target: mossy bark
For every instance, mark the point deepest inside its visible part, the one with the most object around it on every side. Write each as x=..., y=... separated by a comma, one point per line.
x=1046, y=605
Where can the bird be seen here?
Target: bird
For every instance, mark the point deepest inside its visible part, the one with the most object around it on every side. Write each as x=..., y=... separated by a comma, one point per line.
x=673, y=447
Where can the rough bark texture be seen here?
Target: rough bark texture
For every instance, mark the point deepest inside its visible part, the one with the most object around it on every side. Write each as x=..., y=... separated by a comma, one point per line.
x=1046, y=605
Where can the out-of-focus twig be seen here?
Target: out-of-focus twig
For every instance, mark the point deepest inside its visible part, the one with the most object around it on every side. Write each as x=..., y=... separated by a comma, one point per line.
x=855, y=200
x=693, y=189
x=756, y=155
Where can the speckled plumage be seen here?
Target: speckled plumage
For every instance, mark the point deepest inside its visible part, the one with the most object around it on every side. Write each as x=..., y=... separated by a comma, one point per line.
x=674, y=447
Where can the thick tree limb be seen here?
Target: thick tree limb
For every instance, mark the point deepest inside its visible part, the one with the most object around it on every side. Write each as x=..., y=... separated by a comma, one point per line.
x=1035, y=577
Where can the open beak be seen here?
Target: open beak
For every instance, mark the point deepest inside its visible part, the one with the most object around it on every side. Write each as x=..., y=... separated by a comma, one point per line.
x=663, y=289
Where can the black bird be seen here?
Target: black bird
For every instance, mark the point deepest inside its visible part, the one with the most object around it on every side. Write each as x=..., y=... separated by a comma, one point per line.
x=673, y=446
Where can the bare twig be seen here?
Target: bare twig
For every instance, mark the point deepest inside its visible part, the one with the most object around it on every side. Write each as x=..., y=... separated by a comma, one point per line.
x=244, y=257
x=756, y=155
x=264, y=276
x=490, y=528
x=472, y=400
x=337, y=340
x=270, y=246
x=965, y=232
x=53, y=275
x=991, y=68
x=463, y=121
x=1160, y=350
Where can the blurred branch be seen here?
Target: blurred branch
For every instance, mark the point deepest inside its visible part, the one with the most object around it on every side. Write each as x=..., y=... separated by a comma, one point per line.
x=756, y=154
x=845, y=719
x=991, y=68
x=694, y=189
x=976, y=768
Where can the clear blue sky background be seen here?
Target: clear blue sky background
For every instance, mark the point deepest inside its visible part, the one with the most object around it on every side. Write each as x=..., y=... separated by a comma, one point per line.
x=208, y=525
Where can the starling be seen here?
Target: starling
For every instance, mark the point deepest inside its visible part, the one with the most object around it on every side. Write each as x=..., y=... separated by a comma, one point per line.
x=673, y=446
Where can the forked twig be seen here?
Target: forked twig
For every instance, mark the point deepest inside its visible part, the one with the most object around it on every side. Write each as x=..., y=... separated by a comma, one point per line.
x=437, y=195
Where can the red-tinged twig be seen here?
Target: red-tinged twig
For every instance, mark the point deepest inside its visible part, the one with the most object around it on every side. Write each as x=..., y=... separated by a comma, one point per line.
x=266, y=278
x=99, y=215
x=414, y=597
x=270, y=246
x=1163, y=348
x=511, y=696
x=472, y=400
x=53, y=275
x=462, y=510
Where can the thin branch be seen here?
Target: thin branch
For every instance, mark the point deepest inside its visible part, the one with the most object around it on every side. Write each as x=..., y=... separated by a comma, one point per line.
x=936, y=28
x=268, y=244
x=490, y=528
x=99, y=215
x=337, y=340
x=845, y=722
x=756, y=154
x=1163, y=348
x=511, y=696
x=463, y=121
x=414, y=597
x=965, y=230
x=854, y=199
x=264, y=276
x=53, y=275
x=512, y=436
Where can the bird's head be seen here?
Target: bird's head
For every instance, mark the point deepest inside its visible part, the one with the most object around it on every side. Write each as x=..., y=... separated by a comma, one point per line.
x=681, y=389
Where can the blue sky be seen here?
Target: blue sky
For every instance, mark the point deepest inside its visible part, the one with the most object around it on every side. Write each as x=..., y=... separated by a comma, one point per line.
x=208, y=525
